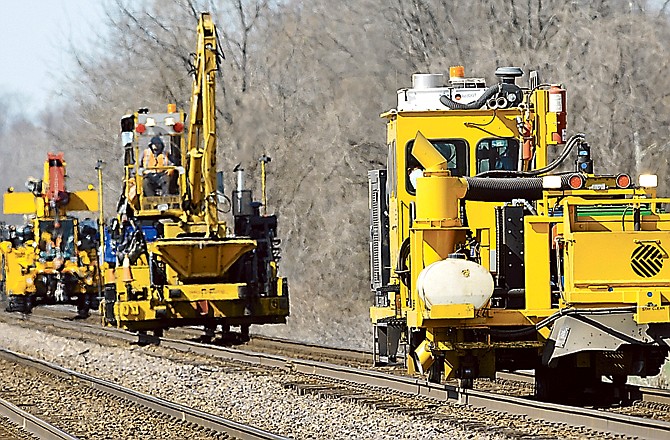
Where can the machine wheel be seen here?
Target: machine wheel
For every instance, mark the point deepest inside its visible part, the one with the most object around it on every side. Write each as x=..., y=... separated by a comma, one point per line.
x=619, y=393
x=547, y=385
x=145, y=339
x=466, y=383
x=244, y=333
x=435, y=371
x=209, y=333
x=565, y=384
x=19, y=303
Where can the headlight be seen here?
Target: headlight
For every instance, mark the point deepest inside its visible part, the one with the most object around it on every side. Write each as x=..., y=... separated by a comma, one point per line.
x=551, y=182
x=29, y=281
x=648, y=180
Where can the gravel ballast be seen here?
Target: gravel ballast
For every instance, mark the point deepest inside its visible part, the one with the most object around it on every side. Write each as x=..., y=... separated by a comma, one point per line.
x=248, y=395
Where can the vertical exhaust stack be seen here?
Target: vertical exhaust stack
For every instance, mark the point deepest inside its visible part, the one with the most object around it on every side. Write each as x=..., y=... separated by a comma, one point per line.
x=242, y=206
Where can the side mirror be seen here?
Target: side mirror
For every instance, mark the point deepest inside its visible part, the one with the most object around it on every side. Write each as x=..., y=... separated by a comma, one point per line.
x=126, y=138
x=219, y=182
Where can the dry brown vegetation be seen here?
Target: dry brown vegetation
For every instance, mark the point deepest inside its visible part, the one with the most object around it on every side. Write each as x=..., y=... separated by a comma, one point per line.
x=304, y=82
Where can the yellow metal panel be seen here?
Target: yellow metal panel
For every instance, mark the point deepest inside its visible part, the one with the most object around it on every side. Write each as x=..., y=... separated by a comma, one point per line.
x=204, y=258
x=452, y=311
x=206, y=292
x=536, y=262
x=414, y=319
x=19, y=203
x=650, y=314
x=377, y=313
x=625, y=263
x=83, y=201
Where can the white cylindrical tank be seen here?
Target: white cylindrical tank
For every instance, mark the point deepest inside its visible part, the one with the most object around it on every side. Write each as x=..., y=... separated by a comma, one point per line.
x=455, y=281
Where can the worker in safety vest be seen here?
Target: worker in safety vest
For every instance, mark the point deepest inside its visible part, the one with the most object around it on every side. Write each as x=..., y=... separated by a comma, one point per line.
x=155, y=181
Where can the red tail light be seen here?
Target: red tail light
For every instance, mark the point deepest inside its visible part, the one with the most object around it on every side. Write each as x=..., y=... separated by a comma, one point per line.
x=178, y=127
x=623, y=181
x=576, y=181
x=141, y=128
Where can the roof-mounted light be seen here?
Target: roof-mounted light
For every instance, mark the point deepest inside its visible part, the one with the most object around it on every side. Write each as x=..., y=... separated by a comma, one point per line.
x=648, y=180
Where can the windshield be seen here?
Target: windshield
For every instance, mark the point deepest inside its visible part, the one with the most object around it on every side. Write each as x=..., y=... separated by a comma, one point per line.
x=497, y=154
x=56, y=240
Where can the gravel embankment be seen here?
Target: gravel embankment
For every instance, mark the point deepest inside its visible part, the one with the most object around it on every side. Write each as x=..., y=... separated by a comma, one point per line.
x=261, y=397
x=246, y=394
x=86, y=413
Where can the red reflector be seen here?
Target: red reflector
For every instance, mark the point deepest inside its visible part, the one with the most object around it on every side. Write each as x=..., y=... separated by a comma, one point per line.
x=623, y=181
x=141, y=128
x=576, y=181
x=178, y=127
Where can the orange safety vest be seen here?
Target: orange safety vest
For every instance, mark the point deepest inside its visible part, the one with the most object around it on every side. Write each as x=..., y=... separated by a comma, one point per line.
x=149, y=159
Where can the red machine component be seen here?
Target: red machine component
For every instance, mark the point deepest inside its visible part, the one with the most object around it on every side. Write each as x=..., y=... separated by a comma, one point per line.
x=557, y=104
x=56, y=192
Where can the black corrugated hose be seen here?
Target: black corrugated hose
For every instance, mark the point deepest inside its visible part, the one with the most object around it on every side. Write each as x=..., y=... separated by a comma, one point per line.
x=488, y=93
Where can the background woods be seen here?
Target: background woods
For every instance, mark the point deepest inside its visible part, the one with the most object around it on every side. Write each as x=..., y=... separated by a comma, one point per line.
x=304, y=82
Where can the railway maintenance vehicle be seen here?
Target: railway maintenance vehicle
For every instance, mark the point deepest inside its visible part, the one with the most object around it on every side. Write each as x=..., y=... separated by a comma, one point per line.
x=53, y=258
x=487, y=256
x=171, y=260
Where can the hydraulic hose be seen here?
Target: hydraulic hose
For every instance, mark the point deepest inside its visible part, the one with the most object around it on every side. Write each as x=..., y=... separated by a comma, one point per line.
x=500, y=189
x=506, y=189
x=488, y=93
x=574, y=140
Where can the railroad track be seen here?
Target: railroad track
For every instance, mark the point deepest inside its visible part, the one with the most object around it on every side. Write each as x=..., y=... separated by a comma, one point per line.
x=329, y=379
x=184, y=422
x=16, y=423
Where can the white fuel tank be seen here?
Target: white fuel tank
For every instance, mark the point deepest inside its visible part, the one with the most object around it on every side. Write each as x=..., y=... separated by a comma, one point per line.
x=455, y=281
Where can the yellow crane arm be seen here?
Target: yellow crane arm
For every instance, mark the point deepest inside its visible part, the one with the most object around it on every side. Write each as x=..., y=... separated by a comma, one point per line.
x=202, y=127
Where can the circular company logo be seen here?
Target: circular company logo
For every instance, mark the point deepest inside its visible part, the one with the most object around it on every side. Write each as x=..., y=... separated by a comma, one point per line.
x=647, y=260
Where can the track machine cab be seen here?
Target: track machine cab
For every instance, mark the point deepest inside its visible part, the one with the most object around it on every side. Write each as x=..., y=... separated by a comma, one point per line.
x=52, y=259
x=172, y=262
x=484, y=257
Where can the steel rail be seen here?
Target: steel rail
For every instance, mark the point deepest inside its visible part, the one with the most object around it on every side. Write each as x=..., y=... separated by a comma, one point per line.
x=574, y=416
x=175, y=410
x=32, y=424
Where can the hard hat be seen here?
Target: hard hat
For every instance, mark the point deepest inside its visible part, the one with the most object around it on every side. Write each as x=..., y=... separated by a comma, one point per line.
x=157, y=142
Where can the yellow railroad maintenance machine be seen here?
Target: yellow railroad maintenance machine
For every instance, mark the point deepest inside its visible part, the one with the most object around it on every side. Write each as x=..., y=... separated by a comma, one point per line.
x=53, y=259
x=172, y=261
x=484, y=257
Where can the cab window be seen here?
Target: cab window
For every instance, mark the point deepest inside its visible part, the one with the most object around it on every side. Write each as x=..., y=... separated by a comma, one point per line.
x=454, y=151
x=497, y=154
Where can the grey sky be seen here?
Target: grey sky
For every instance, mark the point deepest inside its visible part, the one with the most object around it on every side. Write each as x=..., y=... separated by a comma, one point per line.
x=35, y=36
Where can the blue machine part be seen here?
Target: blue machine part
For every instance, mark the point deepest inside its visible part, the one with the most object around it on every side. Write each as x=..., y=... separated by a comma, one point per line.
x=150, y=233
x=110, y=248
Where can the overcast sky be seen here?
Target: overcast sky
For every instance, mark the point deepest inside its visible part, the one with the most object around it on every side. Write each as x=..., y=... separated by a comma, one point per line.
x=35, y=36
